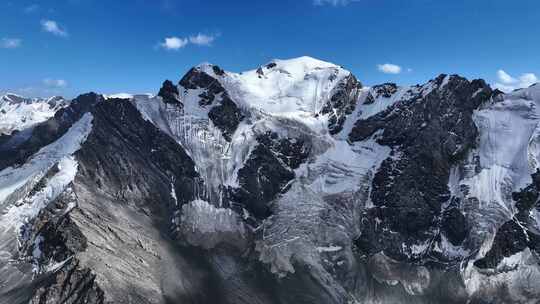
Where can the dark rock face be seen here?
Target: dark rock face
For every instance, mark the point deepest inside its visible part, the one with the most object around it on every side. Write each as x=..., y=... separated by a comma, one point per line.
x=169, y=93
x=197, y=79
x=260, y=72
x=428, y=133
x=510, y=239
x=454, y=225
x=518, y=233
x=342, y=103
x=261, y=179
x=120, y=127
x=57, y=239
x=126, y=159
x=385, y=90
x=268, y=171
x=226, y=115
x=291, y=151
x=48, y=131
x=218, y=71
x=71, y=285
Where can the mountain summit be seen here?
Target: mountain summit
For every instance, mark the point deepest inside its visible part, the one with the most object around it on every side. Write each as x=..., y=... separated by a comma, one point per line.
x=289, y=183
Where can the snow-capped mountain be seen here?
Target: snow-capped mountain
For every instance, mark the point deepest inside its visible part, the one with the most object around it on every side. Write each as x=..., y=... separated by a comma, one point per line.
x=18, y=113
x=290, y=183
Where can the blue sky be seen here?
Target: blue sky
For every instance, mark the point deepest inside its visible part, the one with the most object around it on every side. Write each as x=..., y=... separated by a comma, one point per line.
x=73, y=46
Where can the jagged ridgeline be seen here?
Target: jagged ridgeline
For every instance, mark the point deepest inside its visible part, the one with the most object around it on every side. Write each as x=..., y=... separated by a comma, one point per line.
x=290, y=183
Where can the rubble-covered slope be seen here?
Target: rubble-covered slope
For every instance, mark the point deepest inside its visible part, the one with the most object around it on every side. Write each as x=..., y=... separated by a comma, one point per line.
x=290, y=183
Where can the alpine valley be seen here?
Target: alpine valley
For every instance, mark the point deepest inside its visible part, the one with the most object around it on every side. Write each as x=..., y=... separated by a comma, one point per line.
x=288, y=184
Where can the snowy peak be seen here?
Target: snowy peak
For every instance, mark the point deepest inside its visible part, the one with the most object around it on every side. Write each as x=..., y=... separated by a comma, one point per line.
x=18, y=99
x=298, y=67
x=12, y=98
x=293, y=87
x=530, y=93
x=315, y=93
x=18, y=113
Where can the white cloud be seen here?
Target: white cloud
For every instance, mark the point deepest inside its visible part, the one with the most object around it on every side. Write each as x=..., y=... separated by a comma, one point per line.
x=528, y=79
x=505, y=78
x=202, y=39
x=174, y=43
x=507, y=83
x=10, y=43
x=55, y=83
x=333, y=2
x=53, y=27
x=389, y=68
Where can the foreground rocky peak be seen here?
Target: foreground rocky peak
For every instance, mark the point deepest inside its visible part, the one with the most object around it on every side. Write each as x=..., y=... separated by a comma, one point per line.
x=289, y=183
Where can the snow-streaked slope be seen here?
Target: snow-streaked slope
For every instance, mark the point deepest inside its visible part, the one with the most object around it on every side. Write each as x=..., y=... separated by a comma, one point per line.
x=284, y=97
x=277, y=96
x=506, y=156
x=18, y=113
x=15, y=182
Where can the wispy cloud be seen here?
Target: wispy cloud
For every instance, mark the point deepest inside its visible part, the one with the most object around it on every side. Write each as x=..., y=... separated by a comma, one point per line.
x=31, y=8
x=55, y=83
x=202, y=39
x=10, y=43
x=176, y=43
x=507, y=83
x=389, y=68
x=53, y=27
x=43, y=88
x=333, y=2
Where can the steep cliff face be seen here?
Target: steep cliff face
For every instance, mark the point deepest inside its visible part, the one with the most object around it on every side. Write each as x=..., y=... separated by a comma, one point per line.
x=428, y=132
x=286, y=184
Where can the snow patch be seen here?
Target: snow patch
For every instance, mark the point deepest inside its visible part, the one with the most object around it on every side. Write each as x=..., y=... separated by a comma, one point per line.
x=28, y=208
